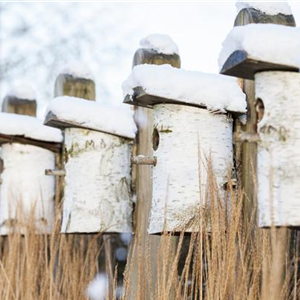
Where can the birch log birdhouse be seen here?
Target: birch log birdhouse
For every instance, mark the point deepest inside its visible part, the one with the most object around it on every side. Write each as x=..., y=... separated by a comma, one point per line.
x=277, y=85
x=97, y=150
x=28, y=148
x=192, y=128
x=246, y=153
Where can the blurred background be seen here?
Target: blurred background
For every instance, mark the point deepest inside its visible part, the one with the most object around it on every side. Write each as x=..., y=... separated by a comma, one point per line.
x=38, y=39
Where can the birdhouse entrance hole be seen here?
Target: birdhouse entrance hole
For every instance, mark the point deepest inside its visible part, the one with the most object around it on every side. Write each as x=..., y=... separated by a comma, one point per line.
x=260, y=109
x=155, y=139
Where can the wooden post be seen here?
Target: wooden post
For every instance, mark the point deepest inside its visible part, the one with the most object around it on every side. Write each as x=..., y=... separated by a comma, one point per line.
x=12, y=104
x=69, y=85
x=145, y=247
x=246, y=153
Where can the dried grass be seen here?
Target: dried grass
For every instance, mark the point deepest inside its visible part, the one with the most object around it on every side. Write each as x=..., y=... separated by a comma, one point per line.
x=228, y=258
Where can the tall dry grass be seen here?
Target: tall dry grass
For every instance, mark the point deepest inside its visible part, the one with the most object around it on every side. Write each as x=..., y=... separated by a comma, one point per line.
x=228, y=258
x=38, y=266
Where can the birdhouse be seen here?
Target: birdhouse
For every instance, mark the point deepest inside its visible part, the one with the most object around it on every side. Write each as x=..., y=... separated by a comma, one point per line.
x=27, y=149
x=97, y=150
x=192, y=128
x=277, y=82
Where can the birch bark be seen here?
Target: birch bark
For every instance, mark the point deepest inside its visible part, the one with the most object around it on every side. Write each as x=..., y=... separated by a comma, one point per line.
x=97, y=183
x=186, y=139
x=278, y=152
x=26, y=191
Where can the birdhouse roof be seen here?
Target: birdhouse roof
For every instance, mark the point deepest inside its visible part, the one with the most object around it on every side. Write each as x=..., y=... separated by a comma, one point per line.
x=165, y=84
x=28, y=130
x=71, y=112
x=260, y=47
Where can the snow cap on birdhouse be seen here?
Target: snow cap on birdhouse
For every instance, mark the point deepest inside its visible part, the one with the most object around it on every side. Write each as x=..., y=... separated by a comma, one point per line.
x=268, y=8
x=157, y=49
x=98, y=142
x=161, y=43
x=147, y=85
x=260, y=47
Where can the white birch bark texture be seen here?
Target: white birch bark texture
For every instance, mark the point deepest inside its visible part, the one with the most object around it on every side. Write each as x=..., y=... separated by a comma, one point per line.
x=27, y=194
x=278, y=169
x=188, y=137
x=97, y=183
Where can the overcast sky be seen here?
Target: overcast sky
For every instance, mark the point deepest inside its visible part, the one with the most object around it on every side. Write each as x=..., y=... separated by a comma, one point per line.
x=197, y=28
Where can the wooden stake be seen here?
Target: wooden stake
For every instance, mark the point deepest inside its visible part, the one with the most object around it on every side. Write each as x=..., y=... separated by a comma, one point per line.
x=142, y=160
x=55, y=172
x=145, y=247
x=69, y=85
x=14, y=105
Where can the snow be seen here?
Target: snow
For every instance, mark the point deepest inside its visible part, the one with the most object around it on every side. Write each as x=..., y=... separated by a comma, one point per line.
x=121, y=254
x=22, y=91
x=126, y=237
x=114, y=119
x=266, y=42
x=216, y=92
x=79, y=70
x=97, y=288
x=162, y=43
x=30, y=127
x=26, y=187
x=270, y=8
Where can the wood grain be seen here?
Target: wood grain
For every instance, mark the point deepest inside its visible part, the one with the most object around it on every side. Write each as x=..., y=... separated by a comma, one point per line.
x=240, y=64
x=14, y=105
x=69, y=85
x=145, y=247
x=9, y=139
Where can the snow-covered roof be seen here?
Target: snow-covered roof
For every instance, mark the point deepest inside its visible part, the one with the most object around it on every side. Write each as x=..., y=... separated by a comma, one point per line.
x=79, y=70
x=162, y=43
x=114, y=119
x=269, y=8
x=30, y=127
x=22, y=91
x=266, y=42
x=216, y=92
